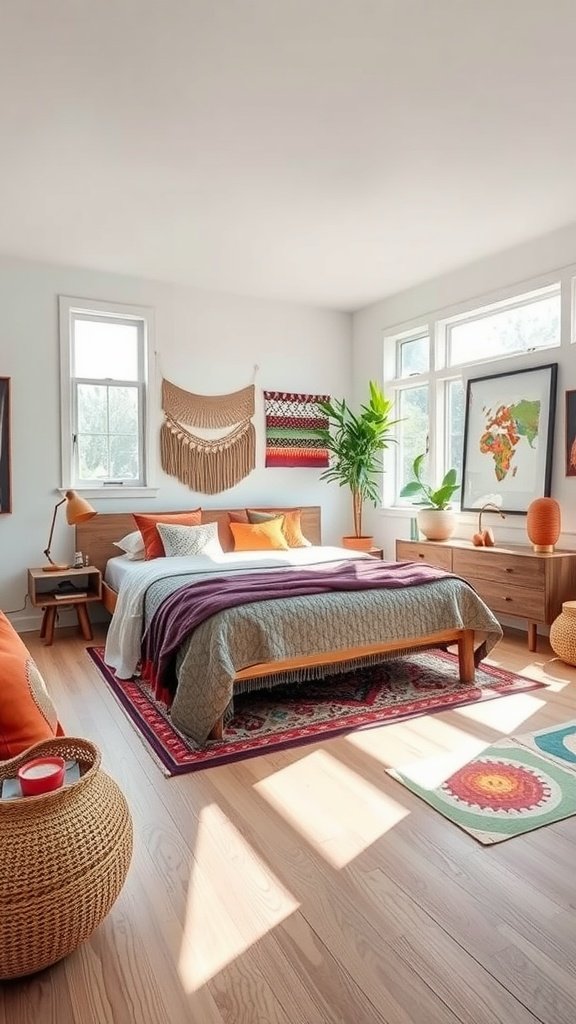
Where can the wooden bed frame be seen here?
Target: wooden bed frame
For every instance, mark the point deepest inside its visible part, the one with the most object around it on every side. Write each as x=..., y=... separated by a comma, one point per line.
x=96, y=539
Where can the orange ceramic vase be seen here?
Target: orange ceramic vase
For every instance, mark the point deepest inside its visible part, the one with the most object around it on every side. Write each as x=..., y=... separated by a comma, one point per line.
x=543, y=523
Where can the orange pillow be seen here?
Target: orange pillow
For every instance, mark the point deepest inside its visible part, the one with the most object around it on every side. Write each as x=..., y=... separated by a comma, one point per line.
x=153, y=545
x=291, y=528
x=238, y=516
x=259, y=537
x=27, y=714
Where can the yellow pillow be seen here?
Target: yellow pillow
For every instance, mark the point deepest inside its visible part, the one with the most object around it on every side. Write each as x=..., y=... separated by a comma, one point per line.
x=291, y=527
x=260, y=536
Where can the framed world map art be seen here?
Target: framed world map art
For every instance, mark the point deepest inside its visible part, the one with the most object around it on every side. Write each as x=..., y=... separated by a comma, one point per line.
x=508, y=438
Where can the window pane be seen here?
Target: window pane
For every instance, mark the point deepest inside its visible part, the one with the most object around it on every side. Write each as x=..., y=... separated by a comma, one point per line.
x=455, y=429
x=92, y=408
x=123, y=410
x=414, y=356
x=413, y=430
x=105, y=350
x=535, y=325
x=93, y=457
x=124, y=457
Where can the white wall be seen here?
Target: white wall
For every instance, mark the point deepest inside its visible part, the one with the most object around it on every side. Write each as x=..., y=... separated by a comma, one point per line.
x=517, y=269
x=208, y=343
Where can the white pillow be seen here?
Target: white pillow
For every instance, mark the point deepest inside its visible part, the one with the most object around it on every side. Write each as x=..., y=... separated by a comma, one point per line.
x=132, y=545
x=190, y=540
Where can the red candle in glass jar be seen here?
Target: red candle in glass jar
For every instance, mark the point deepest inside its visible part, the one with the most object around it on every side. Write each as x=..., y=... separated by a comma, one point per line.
x=41, y=775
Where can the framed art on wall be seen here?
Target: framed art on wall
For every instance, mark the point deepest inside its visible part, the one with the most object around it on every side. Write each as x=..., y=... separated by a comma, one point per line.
x=5, y=467
x=571, y=433
x=508, y=438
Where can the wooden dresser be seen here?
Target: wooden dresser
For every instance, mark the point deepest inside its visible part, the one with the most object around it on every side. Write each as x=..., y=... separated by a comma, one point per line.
x=515, y=580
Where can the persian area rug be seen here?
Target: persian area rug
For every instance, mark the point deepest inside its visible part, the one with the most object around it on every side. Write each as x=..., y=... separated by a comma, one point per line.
x=294, y=714
x=513, y=787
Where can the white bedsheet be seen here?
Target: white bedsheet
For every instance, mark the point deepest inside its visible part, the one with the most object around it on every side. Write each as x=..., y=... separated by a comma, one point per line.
x=125, y=632
x=118, y=568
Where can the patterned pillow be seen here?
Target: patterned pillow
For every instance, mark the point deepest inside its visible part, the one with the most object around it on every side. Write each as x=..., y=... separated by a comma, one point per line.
x=147, y=525
x=291, y=527
x=190, y=540
x=260, y=536
x=132, y=545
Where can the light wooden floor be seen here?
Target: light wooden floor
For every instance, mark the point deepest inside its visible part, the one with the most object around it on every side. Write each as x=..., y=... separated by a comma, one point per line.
x=308, y=886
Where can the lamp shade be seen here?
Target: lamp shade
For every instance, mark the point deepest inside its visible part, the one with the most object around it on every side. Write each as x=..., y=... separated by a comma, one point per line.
x=543, y=523
x=78, y=510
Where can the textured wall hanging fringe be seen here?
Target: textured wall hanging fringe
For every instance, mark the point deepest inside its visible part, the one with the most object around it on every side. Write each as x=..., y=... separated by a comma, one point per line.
x=293, y=425
x=207, y=465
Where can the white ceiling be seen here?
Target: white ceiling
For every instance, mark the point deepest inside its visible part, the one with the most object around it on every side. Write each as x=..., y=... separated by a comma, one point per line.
x=324, y=151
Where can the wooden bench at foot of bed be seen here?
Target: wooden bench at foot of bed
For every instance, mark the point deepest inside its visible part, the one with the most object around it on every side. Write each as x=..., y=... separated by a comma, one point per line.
x=462, y=638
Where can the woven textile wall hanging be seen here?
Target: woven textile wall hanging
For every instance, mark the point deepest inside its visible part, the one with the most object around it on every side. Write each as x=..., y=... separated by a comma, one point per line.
x=293, y=425
x=207, y=464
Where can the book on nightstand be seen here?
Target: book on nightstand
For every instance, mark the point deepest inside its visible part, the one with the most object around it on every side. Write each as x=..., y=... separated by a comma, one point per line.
x=67, y=594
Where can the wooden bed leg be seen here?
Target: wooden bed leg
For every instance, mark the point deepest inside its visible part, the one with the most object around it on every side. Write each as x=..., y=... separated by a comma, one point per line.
x=466, y=656
x=217, y=730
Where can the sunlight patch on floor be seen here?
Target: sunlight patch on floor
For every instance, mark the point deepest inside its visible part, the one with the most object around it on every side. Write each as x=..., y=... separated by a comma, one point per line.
x=234, y=899
x=335, y=809
x=419, y=737
x=431, y=772
x=505, y=714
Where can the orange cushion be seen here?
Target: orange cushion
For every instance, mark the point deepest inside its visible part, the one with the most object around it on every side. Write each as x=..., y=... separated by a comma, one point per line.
x=147, y=525
x=27, y=714
x=259, y=537
x=291, y=528
x=238, y=516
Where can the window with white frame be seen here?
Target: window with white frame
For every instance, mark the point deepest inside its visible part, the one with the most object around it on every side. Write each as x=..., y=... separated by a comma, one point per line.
x=426, y=368
x=104, y=391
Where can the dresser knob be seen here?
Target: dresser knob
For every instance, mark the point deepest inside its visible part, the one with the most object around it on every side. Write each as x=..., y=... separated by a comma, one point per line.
x=420, y=555
x=507, y=598
x=508, y=569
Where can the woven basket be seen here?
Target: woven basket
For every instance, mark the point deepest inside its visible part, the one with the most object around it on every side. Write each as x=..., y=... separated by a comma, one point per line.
x=64, y=857
x=563, y=633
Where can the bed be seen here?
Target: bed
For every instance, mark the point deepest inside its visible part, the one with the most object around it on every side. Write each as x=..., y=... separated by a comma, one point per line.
x=258, y=644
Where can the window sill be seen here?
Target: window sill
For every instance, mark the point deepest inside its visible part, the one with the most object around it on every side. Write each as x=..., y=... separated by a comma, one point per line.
x=114, y=492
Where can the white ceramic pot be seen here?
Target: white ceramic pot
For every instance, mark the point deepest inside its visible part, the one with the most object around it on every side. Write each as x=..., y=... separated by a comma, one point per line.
x=436, y=524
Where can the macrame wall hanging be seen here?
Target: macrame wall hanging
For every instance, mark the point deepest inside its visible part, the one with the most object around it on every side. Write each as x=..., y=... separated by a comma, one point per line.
x=207, y=464
x=293, y=430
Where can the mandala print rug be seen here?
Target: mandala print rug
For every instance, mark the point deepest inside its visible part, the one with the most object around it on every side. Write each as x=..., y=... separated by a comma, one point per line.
x=291, y=715
x=513, y=787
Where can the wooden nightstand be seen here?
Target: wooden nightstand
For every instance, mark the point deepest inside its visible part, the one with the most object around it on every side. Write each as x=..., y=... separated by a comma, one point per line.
x=44, y=586
x=376, y=552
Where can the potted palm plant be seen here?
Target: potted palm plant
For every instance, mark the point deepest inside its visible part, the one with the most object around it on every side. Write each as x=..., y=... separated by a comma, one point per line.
x=436, y=520
x=356, y=442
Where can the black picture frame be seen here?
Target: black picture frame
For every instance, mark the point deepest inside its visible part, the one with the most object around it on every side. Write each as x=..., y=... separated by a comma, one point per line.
x=5, y=453
x=507, y=456
x=571, y=433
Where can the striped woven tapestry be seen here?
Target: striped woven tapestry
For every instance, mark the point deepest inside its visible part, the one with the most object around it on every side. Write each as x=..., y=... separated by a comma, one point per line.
x=293, y=425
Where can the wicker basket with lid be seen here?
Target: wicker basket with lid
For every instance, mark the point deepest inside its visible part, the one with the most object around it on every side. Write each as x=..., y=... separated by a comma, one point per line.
x=64, y=857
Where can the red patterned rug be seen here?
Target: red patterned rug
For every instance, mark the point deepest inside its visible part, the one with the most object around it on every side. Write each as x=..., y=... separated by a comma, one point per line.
x=287, y=716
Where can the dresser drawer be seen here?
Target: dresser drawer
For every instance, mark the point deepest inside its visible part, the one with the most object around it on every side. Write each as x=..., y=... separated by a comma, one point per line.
x=483, y=563
x=525, y=602
x=433, y=554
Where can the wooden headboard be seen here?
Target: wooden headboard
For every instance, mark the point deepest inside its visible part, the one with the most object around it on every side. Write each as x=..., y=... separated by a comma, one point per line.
x=96, y=537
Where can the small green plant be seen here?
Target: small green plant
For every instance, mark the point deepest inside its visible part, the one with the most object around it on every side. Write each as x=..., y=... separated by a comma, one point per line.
x=440, y=498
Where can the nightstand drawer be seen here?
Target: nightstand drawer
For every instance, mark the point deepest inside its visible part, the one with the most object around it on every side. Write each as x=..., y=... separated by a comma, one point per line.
x=483, y=563
x=525, y=602
x=433, y=554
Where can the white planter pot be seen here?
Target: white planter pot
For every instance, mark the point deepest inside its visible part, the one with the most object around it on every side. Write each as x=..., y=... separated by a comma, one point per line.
x=436, y=524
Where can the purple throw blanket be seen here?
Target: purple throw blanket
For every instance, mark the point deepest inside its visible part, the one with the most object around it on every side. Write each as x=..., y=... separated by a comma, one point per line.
x=189, y=606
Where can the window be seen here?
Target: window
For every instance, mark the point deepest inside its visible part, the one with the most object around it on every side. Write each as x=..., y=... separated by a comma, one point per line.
x=104, y=375
x=430, y=364
x=529, y=323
